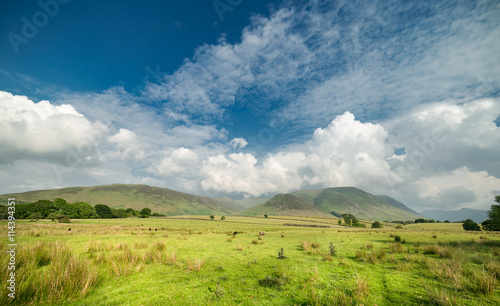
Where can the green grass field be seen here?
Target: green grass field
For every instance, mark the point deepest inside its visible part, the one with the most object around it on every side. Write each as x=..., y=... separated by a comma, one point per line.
x=195, y=261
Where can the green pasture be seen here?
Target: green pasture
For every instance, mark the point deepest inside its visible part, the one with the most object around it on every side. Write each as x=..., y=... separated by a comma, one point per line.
x=191, y=260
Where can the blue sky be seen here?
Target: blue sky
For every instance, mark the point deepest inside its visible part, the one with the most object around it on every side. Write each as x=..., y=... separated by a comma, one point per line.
x=251, y=98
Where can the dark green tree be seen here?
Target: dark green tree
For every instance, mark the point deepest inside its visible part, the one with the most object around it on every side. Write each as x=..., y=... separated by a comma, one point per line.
x=120, y=213
x=212, y=217
x=493, y=223
x=223, y=218
x=103, y=211
x=470, y=225
x=266, y=216
x=351, y=220
x=130, y=212
x=3, y=212
x=377, y=224
x=85, y=210
x=145, y=212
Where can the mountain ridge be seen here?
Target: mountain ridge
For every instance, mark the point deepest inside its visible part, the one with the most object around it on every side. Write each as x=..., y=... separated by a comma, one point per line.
x=457, y=215
x=327, y=201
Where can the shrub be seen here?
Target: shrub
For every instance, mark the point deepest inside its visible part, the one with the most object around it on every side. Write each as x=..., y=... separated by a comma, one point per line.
x=397, y=247
x=470, y=225
x=397, y=238
x=195, y=264
x=63, y=219
x=276, y=280
x=310, y=246
x=333, y=251
x=377, y=224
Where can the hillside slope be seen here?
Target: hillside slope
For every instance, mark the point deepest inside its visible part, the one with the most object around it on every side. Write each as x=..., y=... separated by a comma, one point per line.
x=361, y=204
x=161, y=200
x=240, y=205
x=285, y=205
x=396, y=203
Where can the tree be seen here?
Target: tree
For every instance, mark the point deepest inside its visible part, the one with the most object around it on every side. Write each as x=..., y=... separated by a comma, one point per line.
x=103, y=211
x=145, y=212
x=3, y=212
x=85, y=210
x=266, y=216
x=120, y=213
x=340, y=222
x=130, y=212
x=377, y=224
x=212, y=217
x=351, y=220
x=493, y=223
x=347, y=220
x=223, y=218
x=470, y=225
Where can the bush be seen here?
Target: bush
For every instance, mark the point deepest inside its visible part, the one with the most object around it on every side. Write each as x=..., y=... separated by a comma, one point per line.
x=377, y=224
x=470, y=225
x=64, y=219
x=274, y=281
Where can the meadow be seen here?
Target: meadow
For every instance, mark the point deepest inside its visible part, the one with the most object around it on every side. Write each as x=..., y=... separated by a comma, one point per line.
x=192, y=260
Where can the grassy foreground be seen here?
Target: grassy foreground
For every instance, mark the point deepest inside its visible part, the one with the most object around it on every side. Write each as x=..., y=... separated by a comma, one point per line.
x=196, y=261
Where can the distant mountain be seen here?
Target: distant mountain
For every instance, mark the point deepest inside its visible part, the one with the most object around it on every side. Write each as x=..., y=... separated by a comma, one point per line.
x=161, y=200
x=240, y=205
x=285, y=205
x=396, y=203
x=477, y=216
x=322, y=202
x=363, y=205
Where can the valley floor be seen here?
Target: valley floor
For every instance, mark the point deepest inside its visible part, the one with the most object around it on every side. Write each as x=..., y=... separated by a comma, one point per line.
x=191, y=260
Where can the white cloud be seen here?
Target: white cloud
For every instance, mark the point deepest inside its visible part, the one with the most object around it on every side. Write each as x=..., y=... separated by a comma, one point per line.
x=347, y=152
x=180, y=161
x=41, y=130
x=238, y=143
x=128, y=144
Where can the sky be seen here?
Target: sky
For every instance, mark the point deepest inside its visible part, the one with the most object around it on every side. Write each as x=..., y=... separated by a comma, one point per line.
x=252, y=98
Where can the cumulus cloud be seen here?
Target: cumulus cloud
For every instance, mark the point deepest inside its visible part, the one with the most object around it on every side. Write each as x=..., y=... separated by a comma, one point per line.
x=238, y=143
x=345, y=153
x=180, y=161
x=42, y=130
x=128, y=144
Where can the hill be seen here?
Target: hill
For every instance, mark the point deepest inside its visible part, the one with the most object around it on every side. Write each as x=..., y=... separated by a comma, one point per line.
x=240, y=205
x=396, y=203
x=363, y=205
x=457, y=215
x=285, y=205
x=161, y=200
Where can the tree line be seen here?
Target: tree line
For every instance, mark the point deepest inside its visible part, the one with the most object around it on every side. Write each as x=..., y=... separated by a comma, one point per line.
x=492, y=224
x=45, y=209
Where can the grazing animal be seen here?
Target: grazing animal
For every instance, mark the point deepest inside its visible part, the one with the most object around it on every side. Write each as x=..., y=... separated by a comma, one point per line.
x=156, y=229
x=234, y=234
x=150, y=229
x=69, y=229
x=261, y=233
